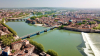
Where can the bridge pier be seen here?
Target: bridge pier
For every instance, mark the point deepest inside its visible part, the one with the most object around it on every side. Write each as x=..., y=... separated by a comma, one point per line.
x=21, y=19
x=13, y=19
x=51, y=28
x=45, y=30
x=24, y=19
x=10, y=19
x=38, y=33
x=17, y=19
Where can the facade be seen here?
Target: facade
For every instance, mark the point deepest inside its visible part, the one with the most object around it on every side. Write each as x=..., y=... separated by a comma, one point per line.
x=5, y=29
x=16, y=45
x=1, y=26
x=6, y=51
x=79, y=21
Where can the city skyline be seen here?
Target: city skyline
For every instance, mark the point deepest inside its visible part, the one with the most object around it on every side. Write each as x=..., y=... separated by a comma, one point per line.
x=50, y=3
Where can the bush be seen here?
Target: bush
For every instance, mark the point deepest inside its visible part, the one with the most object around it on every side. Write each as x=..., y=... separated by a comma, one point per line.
x=52, y=53
x=12, y=51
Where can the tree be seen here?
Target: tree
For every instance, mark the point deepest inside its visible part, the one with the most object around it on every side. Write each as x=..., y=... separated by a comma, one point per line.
x=87, y=18
x=39, y=46
x=18, y=39
x=84, y=21
x=92, y=22
x=61, y=27
x=52, y=53
x=7, y=40
x=79, y=23
x=33, y=17
x=54, y=15
x=12, y=51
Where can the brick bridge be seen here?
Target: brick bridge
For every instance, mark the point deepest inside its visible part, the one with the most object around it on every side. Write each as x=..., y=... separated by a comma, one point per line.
x=15, y=19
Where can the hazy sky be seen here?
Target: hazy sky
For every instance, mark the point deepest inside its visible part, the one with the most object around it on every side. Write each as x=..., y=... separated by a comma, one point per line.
x=51, y=3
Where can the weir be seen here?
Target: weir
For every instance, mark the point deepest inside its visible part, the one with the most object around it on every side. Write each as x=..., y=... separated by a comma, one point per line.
x=93, y=43
x=36, y=33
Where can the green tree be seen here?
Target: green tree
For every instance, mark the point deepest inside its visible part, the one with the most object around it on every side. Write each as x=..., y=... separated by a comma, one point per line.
x=54, y=16
x=87, y=18
x=13, y=51
x=33, y=17
x=39, y=46
x=92, y=22
x=84, y=21
x=18, y=39
x=61, y=27
x=7, y=40
x=52, y=53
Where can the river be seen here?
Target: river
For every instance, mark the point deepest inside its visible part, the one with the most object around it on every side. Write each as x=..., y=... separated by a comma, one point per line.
x=64, y=42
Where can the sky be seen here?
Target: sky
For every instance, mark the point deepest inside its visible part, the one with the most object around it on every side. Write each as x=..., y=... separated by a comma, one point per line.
x=50, y=3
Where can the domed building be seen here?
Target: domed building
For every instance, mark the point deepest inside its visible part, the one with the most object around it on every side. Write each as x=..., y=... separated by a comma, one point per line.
x=70, y=21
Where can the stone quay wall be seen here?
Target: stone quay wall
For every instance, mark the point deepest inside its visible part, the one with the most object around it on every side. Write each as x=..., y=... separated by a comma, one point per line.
x=82, y=29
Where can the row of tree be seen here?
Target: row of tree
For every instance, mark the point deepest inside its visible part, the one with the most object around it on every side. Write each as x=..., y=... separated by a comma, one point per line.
x=41, y=48
x=85, y=22
x=97, y=20
x=39, y=16
x=10, y=29
x=37, y=13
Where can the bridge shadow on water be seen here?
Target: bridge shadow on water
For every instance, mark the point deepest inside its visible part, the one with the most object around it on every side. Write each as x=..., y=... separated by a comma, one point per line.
x=42, y=34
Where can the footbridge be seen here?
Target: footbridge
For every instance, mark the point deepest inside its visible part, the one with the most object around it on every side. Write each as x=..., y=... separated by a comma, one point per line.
x=15, y=19
x=37, y=33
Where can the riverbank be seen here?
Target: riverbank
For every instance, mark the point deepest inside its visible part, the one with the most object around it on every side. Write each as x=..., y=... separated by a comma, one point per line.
x=38, y=24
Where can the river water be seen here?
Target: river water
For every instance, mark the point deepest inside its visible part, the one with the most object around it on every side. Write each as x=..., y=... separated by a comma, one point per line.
x=64, y=42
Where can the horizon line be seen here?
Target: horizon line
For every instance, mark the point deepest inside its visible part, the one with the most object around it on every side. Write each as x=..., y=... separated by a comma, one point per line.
x=50, y=7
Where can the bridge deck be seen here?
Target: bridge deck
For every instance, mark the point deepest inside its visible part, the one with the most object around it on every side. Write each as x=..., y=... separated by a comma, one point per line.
x=35, y=33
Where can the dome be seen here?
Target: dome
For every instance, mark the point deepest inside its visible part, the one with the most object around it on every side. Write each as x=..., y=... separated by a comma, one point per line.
x=70, y=20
